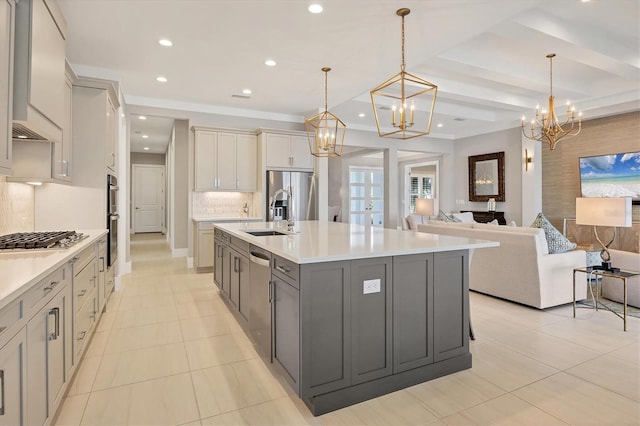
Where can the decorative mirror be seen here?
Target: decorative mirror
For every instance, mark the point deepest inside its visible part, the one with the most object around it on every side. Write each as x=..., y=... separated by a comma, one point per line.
x=486, y=177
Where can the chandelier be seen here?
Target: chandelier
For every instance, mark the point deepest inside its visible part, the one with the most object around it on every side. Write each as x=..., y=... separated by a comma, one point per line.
x=325, y=131
x=549, y=129
x=409, y=99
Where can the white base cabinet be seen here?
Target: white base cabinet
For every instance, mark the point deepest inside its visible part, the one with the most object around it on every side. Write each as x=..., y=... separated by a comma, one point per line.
x=13, y=360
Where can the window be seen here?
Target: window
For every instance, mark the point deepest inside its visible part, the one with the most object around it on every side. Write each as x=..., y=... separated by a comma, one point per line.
x=421, y=187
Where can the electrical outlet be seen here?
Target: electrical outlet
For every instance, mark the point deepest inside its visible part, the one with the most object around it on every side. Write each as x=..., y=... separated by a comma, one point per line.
x=371, y=286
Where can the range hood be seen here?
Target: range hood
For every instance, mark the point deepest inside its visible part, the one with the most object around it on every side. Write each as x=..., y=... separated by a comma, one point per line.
x=26, y=131
x=38, y=71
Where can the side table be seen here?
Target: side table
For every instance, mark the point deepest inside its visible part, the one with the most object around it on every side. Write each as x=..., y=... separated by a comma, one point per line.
x=621, y=275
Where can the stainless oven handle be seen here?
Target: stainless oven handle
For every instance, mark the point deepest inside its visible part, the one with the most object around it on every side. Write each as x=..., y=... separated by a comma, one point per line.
x=114, y=187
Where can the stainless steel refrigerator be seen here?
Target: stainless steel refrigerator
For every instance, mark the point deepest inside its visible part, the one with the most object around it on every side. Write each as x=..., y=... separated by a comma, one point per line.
x=302, y=186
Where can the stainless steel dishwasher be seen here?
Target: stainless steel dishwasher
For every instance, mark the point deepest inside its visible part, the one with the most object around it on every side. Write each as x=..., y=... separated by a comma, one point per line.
x=260, y=300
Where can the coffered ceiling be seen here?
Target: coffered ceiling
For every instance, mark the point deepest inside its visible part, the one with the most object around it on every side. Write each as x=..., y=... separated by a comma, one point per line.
x=486, y=56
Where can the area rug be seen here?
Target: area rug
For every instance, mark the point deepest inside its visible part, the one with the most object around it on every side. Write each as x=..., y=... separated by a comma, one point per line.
x=614, y=306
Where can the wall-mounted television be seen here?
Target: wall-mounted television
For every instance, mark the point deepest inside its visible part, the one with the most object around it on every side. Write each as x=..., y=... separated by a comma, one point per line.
x=613, y=175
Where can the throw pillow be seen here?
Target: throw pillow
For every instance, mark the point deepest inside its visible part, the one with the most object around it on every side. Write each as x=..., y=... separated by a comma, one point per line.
x=556, y=242
x=466, y=217
x=512, y=223
x=494, y=222
x=446, y=218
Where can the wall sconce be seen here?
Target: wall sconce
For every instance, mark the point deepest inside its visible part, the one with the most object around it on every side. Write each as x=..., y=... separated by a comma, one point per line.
x=527, y=160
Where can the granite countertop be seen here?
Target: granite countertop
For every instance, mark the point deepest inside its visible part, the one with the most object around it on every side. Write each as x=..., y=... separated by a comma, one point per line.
x=225, y=219
x=21, y=270
x=323, y=241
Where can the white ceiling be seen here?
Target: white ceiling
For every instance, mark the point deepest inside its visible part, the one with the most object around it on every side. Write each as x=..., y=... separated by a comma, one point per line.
x=486, y=56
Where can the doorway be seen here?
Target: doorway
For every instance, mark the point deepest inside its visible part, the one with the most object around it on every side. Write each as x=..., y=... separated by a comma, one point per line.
x=366, y=196
x=148, y=198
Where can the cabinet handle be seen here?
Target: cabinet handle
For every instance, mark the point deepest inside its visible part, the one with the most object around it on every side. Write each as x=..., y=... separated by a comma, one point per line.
x=270, y=296
x=283, y=269
x=1, y=392
x=113, y=159
x=81, y=335
x=50, y=286
x=235, y=264
x=56, y=313
x=2, y=329
x=82, y=293
x=73, y=260
x=102, y=267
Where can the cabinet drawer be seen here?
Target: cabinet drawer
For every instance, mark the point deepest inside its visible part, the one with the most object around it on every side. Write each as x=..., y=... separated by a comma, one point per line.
x=44, y=289
x=84, y=284
x=85, y=319
x=10, y=319
x=83, y=258
x=222, y=237
x=240, y=245
x=286, y=269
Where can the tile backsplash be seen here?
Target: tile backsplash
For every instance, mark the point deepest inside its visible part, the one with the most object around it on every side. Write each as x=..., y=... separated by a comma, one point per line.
x=225, y=204
x=17, y=207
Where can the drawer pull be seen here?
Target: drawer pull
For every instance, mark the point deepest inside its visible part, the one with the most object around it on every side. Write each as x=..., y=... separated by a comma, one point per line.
x=2, y=329
x=81, y=335
x=283, y=269
x=73, y=260
x=82, y=293
x=50, y=286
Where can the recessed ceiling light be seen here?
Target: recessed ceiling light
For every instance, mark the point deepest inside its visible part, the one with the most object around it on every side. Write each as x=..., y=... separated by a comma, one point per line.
x=165, y=42
x=22, y=137
x=161, y=79
x=315, y=8
x=246, y=91
x=361, y=115
x=270, y=63
x=145, y=136
x=440, y=124
x=146, y=148
x=142, y=117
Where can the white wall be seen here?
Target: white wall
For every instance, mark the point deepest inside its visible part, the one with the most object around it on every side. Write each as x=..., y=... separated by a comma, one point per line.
x=508, y=141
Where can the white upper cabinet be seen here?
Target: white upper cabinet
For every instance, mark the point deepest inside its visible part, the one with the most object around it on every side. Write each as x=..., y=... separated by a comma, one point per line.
x=39, y=68
x=225, y=160
x=7, y=14
x=287, y=151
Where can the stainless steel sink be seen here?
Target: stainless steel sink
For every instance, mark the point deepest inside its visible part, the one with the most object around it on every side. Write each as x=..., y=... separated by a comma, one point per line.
x=265, y=233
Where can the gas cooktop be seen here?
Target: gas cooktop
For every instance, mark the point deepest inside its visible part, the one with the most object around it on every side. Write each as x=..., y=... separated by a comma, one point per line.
x=39, y=240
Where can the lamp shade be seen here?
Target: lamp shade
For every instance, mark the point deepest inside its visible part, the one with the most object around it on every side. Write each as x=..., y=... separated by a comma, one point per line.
x=604, y=211
x=426, y=206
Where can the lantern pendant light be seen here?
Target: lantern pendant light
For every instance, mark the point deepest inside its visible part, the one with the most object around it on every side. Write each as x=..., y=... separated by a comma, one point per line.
x=325, y=131
x=409, y=99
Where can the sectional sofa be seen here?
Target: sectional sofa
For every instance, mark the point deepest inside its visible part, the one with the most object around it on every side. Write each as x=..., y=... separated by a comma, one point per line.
x=521, y=268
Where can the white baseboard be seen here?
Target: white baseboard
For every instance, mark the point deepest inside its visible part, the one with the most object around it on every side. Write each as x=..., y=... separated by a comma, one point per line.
x=181, y=252
x=190, y=262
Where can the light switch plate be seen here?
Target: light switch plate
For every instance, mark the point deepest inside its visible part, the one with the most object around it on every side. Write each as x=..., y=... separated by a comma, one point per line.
x=371, y=286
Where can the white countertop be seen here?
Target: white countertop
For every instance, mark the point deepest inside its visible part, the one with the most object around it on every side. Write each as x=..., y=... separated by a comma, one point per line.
x=21, y=270
x=322, y=241
x=225, y=219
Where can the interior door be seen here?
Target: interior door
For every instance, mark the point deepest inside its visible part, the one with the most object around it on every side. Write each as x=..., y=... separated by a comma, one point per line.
x=148, y=198
x=366, y=196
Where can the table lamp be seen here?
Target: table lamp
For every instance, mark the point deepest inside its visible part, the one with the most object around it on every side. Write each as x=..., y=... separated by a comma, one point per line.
x=604, y=212
x=426, y=206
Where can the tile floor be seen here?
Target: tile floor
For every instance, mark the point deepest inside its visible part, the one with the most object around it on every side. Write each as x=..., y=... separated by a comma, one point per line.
x=167, y=351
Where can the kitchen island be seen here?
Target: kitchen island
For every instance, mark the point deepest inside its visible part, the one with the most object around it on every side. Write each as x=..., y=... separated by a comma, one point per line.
x=352, y=312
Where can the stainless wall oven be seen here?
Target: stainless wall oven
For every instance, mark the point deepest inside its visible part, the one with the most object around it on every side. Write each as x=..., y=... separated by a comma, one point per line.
x=112, y=219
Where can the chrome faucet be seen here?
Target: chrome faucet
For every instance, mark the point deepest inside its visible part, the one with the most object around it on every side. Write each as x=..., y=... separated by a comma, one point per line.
x=290, y=211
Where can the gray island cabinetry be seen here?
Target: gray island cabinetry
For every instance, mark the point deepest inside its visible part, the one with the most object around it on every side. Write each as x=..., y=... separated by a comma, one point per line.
x=355, y=313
